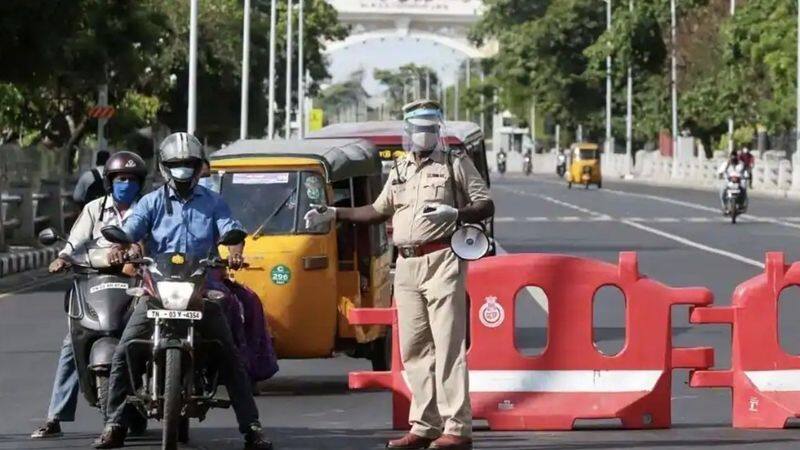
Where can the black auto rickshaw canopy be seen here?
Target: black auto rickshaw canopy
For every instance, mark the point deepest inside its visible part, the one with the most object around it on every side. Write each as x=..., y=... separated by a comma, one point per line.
x=341, y=158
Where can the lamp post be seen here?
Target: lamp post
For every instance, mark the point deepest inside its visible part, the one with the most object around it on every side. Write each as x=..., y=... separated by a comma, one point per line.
x=629, y=113
x=288, y=107
x=609, y=143
x=271, y=81
x=730, y=118
x=301, y=71
x=191, y=119
x=674, y=85
x=245, y=71
x=797, y=120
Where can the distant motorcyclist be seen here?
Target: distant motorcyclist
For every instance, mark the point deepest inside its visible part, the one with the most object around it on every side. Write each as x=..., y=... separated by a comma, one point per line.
x=123, y=179
x=748, y=160
x=561, y=163
x=182, y=217
x=732, y=167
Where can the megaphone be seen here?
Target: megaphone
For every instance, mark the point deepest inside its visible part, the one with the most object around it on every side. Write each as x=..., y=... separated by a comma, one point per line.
x=469, y=242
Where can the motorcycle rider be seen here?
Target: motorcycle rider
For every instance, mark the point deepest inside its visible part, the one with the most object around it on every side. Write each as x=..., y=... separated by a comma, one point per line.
x=733, y=166
x=748, y=160
x=187, y=218
x=123, y=179
x=561, y=162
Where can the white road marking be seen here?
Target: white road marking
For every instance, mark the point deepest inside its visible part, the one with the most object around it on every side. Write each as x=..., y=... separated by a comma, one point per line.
x=664, y=234
x=504, y=219
x=697, y=245
x=749, y=217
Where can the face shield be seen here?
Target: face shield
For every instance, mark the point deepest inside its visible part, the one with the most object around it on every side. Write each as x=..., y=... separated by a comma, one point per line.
x=424, y=131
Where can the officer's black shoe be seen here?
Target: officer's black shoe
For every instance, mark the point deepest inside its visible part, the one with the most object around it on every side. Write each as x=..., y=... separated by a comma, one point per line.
x=254, y=439
x=113, y=437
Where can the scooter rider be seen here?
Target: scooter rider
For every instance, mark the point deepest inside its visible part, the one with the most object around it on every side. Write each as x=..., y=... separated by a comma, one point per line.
x=124, y=175
x=733, y=166
x=182, y=217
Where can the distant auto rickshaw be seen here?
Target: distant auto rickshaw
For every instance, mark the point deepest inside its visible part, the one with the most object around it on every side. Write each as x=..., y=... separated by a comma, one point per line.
x=387, y=136
x=584, y=167
x=308, y=279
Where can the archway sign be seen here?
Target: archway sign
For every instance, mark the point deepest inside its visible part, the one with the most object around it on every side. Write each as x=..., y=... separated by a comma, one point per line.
x=446, y=22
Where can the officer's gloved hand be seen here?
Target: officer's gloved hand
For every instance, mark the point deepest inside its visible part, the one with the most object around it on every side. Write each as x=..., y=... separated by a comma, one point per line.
x=440, y=214
x=318, y=215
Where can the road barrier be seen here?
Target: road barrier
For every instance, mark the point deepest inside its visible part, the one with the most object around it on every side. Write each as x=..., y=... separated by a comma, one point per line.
x=571, y=379
x=764, y=378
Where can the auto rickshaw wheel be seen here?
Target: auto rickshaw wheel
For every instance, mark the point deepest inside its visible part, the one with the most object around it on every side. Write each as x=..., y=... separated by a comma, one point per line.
x=381, y=353
x=586, y=186
x=599, y=185
x=569, y=184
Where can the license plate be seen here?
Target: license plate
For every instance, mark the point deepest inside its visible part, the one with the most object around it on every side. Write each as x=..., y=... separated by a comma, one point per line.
x=169, y=314
x=733, y=192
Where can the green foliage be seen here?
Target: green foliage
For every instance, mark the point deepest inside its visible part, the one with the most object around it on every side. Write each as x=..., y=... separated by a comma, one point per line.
x=554, y=52
x=403, y=81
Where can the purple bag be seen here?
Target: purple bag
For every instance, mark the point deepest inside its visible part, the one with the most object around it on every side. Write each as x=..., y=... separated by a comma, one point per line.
x=262, y=361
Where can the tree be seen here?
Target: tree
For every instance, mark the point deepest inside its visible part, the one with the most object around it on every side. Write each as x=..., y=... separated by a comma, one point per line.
x=405, y=81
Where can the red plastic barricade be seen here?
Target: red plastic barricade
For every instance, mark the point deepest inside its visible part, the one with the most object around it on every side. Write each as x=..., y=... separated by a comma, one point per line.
x=571, y=379
x=765, y=379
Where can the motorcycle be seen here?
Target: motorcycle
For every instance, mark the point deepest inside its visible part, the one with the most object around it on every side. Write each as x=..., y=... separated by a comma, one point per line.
x=501, y=162
x=98, y=307
x=180, y=379
x=527, y=164
x=561, y=166
x=735, y=198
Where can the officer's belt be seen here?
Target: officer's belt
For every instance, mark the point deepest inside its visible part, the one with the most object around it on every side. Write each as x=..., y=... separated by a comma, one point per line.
x=415, y=251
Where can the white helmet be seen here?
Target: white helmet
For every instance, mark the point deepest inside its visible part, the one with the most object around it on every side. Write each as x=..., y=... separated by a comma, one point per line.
x=181, y=158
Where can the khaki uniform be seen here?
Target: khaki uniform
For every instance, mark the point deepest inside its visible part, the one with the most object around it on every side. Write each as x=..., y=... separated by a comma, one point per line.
x=430, y=291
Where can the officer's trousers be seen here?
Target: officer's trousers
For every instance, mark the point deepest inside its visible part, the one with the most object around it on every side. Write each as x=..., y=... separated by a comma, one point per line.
x=432, y=313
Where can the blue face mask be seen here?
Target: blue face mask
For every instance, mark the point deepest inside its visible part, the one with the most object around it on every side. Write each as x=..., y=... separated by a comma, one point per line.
x=125, y=192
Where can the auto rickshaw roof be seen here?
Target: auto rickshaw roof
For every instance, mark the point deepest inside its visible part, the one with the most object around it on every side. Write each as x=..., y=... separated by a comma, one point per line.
x=586, y=146
x=390, y=132
x=342, y=158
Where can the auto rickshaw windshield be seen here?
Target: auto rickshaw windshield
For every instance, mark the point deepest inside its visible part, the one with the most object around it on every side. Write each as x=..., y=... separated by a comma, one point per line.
x=273, y=203
x=587, y=154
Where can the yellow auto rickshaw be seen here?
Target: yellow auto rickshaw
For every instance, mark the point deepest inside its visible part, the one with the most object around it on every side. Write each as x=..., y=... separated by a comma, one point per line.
x=308, y=279
x=584, y=165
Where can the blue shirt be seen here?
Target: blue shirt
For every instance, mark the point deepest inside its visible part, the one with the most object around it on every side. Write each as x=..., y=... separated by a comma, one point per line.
x=193, y=228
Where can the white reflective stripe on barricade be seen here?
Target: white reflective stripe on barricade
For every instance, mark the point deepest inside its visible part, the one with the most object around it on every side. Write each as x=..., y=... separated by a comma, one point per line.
x=775, y=380
x=561, y=380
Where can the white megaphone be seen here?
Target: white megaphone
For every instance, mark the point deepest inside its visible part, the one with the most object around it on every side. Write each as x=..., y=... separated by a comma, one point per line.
x=469, y=242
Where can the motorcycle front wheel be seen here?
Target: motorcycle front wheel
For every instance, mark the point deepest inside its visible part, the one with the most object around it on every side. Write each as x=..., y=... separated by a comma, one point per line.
x=172, y=400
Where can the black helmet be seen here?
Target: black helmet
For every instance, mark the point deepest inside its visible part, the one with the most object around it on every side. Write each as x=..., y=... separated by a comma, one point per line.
x=124, y=163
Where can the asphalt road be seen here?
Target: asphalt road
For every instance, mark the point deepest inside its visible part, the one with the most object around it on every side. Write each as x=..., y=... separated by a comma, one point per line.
x=681, y=240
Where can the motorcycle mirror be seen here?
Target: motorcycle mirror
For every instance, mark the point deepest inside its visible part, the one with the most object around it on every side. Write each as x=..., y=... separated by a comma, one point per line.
x=115, y=235
x=233, y=237
x=48, y=237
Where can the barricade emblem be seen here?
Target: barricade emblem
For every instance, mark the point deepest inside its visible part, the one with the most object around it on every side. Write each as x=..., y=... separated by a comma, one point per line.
x=492, y=313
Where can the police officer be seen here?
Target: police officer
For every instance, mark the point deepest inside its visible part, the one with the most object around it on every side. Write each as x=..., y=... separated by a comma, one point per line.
x=427, y=192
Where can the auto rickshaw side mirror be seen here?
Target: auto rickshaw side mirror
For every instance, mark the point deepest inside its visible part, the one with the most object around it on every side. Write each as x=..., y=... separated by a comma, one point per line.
x=48, y=237
x=115, y=235
x=233, y=237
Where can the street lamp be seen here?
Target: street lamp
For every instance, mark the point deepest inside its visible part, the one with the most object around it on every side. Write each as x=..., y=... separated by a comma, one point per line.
x=797, y=121
x=609, y=143
x=271, y=81
x=245, y=71
x=674, y=83
x=192, y=111
x=288, y=107
x=730, y=118
x=301, y=72
x=629, y=112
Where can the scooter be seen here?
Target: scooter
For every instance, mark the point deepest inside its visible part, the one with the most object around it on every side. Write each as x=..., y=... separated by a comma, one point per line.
x=561, y=165
x=180, y=378
x=735, y=198
x=527, y=164
x=501, y=162
x=98, y=308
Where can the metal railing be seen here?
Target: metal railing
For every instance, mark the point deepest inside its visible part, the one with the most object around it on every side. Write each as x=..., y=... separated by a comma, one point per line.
x=23, y=212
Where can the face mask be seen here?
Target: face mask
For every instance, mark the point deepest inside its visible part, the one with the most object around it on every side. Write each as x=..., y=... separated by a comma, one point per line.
x=125, y=192
x=424, y=142
x=181, y=173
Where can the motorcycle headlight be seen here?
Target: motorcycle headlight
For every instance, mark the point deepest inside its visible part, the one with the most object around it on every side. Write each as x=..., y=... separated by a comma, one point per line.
x=175, y=294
